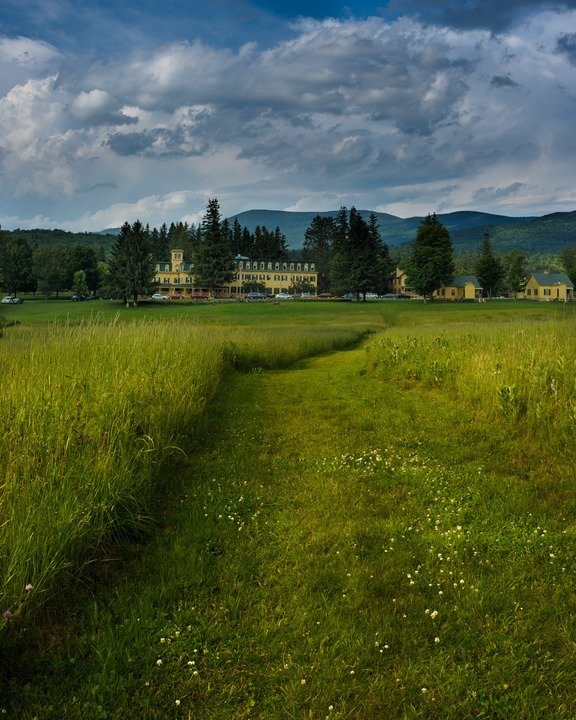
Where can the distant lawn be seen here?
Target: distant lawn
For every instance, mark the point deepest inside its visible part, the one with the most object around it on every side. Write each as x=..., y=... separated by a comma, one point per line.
x=289, y=312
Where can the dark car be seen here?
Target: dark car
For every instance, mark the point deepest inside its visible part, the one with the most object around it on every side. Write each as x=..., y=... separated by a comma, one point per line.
x=257, y=296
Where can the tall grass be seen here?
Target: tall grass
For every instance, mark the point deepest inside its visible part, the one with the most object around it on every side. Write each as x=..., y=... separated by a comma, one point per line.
x=91, y=414
x=523, y=374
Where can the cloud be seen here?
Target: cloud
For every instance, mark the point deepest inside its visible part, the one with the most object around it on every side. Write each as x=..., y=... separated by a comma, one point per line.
x=371, y=110
x=503, y=81
x=493, y=15
x=98, y=107
x=567, y=46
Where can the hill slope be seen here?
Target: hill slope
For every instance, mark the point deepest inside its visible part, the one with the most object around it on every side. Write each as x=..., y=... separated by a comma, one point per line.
x=548, y=233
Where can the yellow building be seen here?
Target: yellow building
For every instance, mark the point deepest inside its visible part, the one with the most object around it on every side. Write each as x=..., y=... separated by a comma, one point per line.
x=460, y=287
x=399, y=283
x=277, y=276
x=549, y=286
x=177, y=279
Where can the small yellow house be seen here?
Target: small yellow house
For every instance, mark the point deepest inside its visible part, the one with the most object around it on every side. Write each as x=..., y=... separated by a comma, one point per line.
x=549, y=286
x=460, y=287
x=399, y=282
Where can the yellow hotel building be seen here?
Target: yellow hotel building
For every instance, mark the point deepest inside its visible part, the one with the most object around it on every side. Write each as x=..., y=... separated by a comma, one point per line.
x=177, y=279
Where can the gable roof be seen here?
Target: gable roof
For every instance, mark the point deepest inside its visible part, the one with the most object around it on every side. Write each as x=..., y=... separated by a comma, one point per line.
x=463, y=280
x=551, y=279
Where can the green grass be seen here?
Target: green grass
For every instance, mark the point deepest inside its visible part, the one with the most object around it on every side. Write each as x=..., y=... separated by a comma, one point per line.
x=375, y=533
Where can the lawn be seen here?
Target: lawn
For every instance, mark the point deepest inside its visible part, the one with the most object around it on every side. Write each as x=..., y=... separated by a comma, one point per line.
x=384, y=531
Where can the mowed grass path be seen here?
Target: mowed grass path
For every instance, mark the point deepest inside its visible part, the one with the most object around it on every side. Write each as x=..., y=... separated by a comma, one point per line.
x=332, y=547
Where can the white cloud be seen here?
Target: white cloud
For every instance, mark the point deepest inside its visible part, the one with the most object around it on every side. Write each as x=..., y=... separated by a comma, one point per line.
x=394, y=116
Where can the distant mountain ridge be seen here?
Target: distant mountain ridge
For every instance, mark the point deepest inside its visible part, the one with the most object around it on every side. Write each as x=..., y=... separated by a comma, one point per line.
x=548, y=233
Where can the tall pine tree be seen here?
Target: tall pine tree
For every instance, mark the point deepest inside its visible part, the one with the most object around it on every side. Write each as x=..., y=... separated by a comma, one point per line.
x=431, y=263
x=215, y=260
x=131, y=265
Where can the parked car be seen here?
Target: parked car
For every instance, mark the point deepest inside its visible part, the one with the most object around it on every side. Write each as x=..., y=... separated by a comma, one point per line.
x=158, y=296
x=257, y=296
x=199, y=296
x=325, y=296
x=283, y=296
x=10, y=300
x=177, y=296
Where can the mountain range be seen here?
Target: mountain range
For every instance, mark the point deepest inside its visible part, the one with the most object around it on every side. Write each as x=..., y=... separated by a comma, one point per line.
x=547, y=233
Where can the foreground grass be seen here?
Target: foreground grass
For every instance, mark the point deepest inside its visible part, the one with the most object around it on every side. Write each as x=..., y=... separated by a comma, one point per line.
x=359, y=537
x=94, y=411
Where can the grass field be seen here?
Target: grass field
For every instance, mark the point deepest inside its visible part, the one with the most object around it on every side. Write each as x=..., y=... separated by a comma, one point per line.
x=385, y=531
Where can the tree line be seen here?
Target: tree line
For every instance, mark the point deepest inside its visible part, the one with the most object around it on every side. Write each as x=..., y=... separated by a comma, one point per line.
x=41, y=262
x=348, y=251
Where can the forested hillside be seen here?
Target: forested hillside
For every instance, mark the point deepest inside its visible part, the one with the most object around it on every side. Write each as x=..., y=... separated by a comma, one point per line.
x=100, y=242
x=532, y=235
x=549, y=233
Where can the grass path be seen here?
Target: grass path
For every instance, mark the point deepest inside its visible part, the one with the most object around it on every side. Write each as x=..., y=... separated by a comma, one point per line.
x=312, y=563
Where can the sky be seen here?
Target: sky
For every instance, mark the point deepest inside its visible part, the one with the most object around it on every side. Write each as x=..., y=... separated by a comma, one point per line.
x=118, y=110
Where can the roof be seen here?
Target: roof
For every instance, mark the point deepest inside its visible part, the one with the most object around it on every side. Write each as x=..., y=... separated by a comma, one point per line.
x=551, y=279
x=463, y=280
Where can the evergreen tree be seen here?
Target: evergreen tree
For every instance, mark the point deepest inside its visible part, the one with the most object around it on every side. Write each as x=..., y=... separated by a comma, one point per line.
x=515, y=271
x=131, y=265
x=488, y=269
x=568, y=259
x=317, y=248
x=215, y=261
x=339, y=265
x=431, y=264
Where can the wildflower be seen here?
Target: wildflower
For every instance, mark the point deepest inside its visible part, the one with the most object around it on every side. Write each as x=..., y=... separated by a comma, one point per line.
x=434, y=614
x=7, y=614
x=303, y=681
x=158, y=662
x=177, y=702
x=436, y=639
x=29, y=586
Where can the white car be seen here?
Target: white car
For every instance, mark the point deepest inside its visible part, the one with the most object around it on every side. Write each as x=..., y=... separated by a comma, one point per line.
x=158, y=296
x=283, y=296
x=9, y=300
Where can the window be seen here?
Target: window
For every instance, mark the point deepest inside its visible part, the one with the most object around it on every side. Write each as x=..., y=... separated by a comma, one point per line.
x=535, y=291
x=269, y=266
x=546, y=291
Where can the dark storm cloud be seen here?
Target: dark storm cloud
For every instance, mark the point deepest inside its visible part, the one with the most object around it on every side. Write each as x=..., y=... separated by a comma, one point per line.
x=494, y=15
x=566, y=45
x=503, y=81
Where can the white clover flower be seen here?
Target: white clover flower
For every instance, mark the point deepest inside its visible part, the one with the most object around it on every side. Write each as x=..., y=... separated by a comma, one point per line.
x=158, y=662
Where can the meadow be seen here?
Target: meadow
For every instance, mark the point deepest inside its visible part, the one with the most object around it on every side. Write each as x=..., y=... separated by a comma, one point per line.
x=307, y=510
